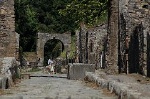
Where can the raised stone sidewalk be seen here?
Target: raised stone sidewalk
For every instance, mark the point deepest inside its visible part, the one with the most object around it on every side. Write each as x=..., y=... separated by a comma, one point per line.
x=126, y=87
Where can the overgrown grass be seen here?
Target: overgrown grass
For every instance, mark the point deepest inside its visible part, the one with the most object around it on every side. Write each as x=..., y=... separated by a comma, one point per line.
x=63, y=54
x=34, y=69
x=72, y=50
x=73, y=47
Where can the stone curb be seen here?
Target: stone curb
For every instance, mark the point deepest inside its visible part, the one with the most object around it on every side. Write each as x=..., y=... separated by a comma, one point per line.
x=24, y=97
x=120, y=89
x=11, y=97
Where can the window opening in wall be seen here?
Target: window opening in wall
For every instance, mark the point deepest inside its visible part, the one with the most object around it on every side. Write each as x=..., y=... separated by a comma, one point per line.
x=91, y=46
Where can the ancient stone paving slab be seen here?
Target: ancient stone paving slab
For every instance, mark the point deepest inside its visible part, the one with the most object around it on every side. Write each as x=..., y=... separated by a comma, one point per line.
x=53, y=88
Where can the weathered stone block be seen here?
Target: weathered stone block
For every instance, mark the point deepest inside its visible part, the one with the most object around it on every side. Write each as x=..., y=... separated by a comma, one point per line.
x=25, y=76
x=9, y=70
x=3, y=82
x=11, y=97
x=77, y=71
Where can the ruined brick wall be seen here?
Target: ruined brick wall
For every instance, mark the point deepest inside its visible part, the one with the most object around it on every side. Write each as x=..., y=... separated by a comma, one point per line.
x=8, y=41
x=127, y=44
x=134, y=25
x=81, y=44
x=90, y=44
x=65, y=38
x=95, y=44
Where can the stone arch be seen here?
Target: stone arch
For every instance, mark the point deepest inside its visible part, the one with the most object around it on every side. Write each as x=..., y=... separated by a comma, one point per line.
x=44, y=37
x=49, y=52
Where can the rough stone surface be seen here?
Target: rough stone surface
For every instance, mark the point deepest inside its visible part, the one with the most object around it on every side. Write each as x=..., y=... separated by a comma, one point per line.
x=112, y=57
x=8, y=36
x=9, y=43
x=77, y=70
x=12, y=97
x=126, y=48
x=9, y=70
x=95, y=43
x=54, y=87
x=89, y=43
x=134, y=27
x=44, y=37
x=126, y=87
x=3, y=82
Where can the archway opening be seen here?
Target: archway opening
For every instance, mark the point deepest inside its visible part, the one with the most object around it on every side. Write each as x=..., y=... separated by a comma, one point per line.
x=52, y=49
x=136, y=51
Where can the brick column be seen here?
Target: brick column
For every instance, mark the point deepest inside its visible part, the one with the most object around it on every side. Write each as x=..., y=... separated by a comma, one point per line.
x=113, y=36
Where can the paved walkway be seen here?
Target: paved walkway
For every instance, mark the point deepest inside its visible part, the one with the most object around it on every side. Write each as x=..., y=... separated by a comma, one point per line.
x=53, y=87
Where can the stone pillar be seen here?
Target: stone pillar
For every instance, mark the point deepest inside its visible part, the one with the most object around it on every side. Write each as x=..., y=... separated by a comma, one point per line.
x=82, y=43
x=77, y=46
x=40, y=51
x=113, y=36
x=7, y=29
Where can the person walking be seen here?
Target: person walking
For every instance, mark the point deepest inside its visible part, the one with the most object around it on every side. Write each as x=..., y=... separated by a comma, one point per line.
x=50, y=63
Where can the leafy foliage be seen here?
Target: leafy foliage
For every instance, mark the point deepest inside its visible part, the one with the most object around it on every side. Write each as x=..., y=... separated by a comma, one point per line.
x=58, y=16
x=26, y=24
x=87, y=11
x=52, y=49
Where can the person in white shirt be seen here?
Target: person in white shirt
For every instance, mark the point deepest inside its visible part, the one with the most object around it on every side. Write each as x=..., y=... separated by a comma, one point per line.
x=50, y=62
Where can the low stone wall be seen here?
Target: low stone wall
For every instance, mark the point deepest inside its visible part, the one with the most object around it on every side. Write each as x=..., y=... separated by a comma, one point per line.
x=76, y=71
x=9, y=72
x=13, y=97
x=3, y=82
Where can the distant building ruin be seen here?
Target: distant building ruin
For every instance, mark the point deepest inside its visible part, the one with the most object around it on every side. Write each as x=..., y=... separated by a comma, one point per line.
x=89, y=44
x=65, y=38
x=133, y=40
x=126, y=48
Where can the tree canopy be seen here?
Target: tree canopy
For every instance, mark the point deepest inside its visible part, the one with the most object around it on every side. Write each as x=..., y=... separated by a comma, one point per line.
x=87, y=11
x=54, y=16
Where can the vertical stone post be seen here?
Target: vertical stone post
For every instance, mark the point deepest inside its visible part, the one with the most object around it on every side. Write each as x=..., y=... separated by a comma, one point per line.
x=113, y=36
x=40, y=50
x=81, y=43
x=8, y=41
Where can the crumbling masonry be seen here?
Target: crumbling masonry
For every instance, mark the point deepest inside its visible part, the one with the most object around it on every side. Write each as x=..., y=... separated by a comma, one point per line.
x=9, y=41
x=133, y=40
x=125, y=48
x=90, y=44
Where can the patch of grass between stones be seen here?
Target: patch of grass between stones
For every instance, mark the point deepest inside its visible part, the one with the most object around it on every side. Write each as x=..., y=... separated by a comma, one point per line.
x=34, y=69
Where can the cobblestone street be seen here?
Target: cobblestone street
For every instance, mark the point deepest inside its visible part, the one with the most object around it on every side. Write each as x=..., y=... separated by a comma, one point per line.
x=54, y=87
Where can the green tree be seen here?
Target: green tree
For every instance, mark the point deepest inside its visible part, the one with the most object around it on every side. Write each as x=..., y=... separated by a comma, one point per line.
x=26, y=24
x=87, y=11
x=54, y=16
